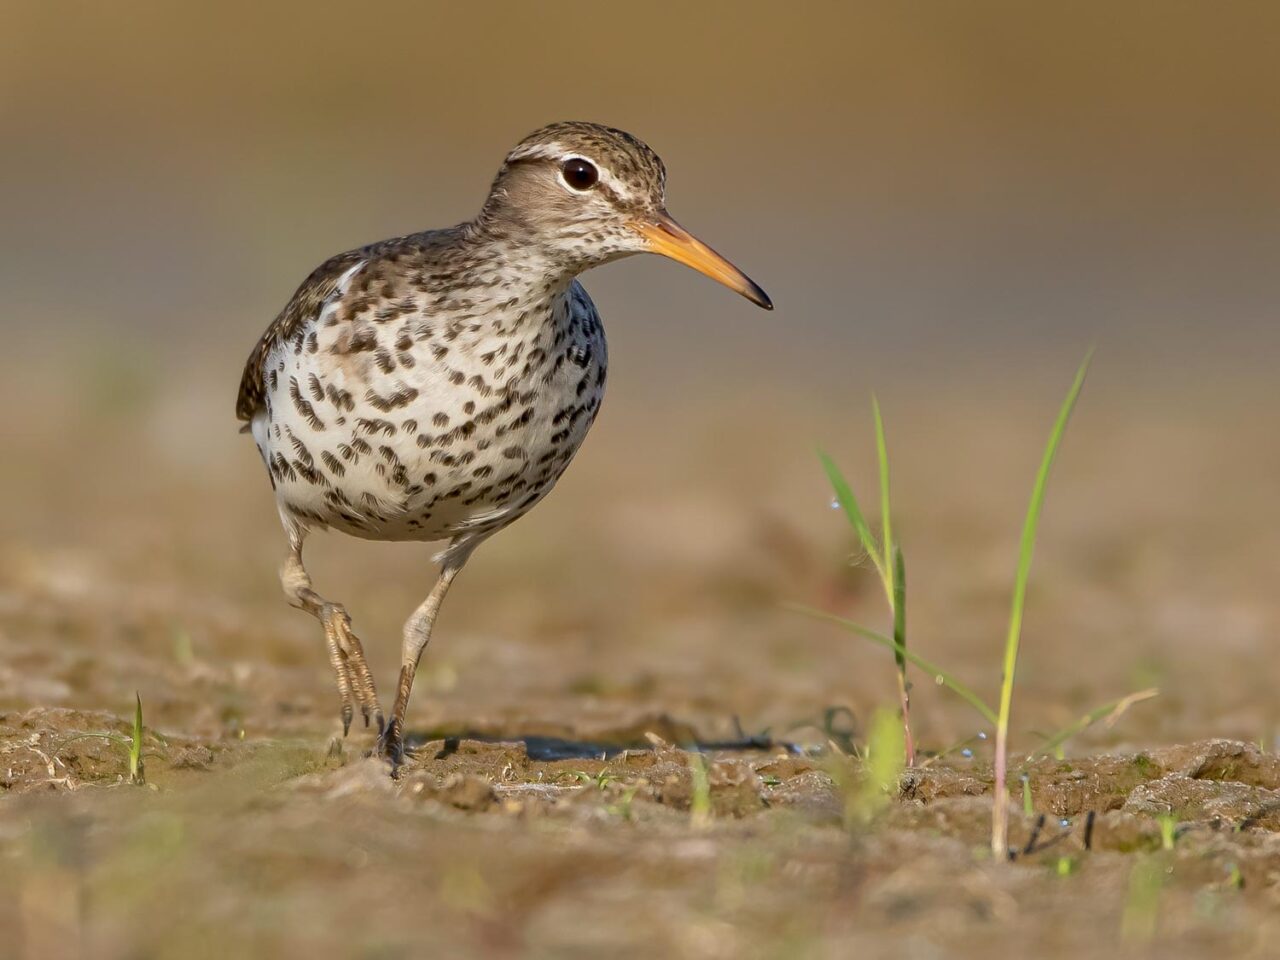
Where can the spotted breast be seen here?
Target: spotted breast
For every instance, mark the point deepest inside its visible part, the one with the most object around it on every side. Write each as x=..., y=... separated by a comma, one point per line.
x=405, y=394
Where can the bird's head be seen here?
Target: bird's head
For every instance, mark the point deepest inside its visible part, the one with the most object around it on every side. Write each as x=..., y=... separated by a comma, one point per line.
x=588, y=194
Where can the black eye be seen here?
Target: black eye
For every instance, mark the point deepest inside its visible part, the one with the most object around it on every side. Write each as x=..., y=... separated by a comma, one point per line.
x=580, y=174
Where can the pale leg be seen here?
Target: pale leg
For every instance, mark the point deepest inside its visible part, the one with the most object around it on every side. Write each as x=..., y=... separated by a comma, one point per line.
x=355, y=682
x=417, y=633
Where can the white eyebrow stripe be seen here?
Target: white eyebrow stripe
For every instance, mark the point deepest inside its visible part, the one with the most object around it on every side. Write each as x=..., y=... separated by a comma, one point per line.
x=547, y=151
x=558, y=151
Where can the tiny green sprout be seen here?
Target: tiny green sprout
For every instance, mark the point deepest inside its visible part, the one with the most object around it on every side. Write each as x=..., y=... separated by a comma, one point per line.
x=700, y=793
x=770, y=781
x=598, y=780
x=882, y=769
x=1235, y=879
x=1066, y=866
x=135, y=745
x=1168, y=830
x=132, y=744
x=1027, y=806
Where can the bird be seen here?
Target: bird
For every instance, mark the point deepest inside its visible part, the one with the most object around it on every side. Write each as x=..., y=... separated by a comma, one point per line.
x=434, y=387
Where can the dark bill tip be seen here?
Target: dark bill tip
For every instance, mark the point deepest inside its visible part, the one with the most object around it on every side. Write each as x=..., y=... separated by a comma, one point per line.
x=756, y=295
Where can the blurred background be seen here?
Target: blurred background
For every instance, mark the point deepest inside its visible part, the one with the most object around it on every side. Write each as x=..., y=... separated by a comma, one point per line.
x=949, y=203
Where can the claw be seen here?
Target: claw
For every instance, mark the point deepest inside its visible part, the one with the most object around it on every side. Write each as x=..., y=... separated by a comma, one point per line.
x=391, y=747
x=346, y=655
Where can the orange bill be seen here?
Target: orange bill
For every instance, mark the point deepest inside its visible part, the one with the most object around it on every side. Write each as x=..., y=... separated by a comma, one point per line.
x=668, y=238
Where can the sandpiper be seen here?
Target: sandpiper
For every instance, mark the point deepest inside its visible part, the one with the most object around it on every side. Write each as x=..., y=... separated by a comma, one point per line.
x=435, y=386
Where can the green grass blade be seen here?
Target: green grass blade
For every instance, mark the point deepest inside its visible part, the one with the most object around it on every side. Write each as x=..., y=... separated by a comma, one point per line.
x=1168, y=831
x=849, y=504
x=948, y=681
x=883, y=768
x=1108, y=711
x=1030, y=529
x=699, y=792
x=1026, y=550
x=886, y=516
x=135, y=747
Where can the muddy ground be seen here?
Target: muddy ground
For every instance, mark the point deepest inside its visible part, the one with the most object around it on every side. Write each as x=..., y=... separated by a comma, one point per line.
x=552, y=805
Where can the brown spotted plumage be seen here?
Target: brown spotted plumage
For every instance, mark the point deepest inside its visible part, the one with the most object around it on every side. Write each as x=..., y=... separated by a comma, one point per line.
x=435, y=386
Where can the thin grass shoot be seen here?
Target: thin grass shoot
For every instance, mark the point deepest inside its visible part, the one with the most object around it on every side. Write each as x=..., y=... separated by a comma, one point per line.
x=699, y=793
x=1030, y=528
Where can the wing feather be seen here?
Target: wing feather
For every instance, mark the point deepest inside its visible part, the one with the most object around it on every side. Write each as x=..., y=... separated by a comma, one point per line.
x=324, y=287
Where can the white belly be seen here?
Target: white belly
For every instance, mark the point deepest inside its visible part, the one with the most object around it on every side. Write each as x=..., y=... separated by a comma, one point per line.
x=401, y=440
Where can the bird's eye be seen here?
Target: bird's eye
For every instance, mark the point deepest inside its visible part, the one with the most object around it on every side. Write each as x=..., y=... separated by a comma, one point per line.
x=580, y=174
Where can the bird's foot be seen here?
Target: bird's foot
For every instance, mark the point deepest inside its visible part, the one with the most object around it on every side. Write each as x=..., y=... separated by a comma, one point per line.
x=355, y=681
x=391, y=746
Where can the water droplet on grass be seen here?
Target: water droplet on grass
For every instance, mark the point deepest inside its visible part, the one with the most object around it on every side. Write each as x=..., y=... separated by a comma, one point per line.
x=966, y=753
x=982, y=735
x=938, y=680
x=835, y=503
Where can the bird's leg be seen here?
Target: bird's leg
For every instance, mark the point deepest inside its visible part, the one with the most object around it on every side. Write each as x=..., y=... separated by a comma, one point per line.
x=417, y=632
x=355, y=681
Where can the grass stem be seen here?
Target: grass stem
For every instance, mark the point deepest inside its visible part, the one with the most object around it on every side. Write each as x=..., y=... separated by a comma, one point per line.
x=899, y=652
x=1000, y=810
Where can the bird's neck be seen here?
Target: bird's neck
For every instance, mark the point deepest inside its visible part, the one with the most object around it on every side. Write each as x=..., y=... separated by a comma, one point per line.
x=509, y=261
x=494, y=281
